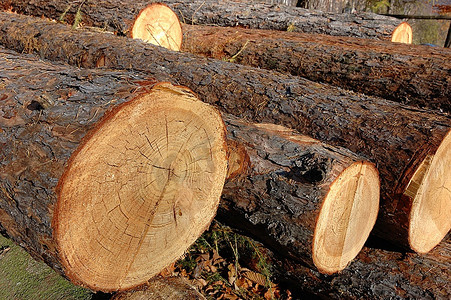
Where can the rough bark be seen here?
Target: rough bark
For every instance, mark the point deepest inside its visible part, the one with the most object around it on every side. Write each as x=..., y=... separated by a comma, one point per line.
x=117, y=16
x=414, y=75
x=311, y=202
x=395, y=137
x=374, y=274
x=83, y=191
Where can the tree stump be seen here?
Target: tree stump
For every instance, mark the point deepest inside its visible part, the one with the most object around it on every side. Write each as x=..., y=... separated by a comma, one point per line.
x=402, y=34
x=106, y=177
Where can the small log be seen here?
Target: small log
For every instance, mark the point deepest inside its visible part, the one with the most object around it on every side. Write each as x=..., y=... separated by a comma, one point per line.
x=117, y=16
x=306, y=200
x=105, y=176
x=410, y=146
x=414, y=75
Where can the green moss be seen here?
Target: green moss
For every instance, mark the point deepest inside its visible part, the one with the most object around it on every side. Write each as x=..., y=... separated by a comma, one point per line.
x=23, y=278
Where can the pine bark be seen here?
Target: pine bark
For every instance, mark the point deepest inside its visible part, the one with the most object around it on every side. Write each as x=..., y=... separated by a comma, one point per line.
x=395, y=137
x=117, y=16
x=413, y=75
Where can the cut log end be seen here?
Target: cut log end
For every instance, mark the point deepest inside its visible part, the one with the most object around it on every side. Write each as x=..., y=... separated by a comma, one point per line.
x=430, y=219
x=157, y=24
x=140, y=189
x=402, y=34
x=346, y=218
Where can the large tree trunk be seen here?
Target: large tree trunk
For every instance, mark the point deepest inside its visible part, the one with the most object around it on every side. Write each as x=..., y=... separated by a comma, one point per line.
x=318, y=203
x=409, y=146
x=414, y=75
x=118, y=16
x=105, y=176
x=374, y=274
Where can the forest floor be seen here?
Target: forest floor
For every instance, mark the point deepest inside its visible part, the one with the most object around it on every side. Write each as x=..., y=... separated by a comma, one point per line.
x=221, y=264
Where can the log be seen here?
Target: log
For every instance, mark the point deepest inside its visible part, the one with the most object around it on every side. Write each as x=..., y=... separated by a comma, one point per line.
x=374, y=274
x=116, y=16
x=326, y=199
x=409, y=146
x=306, y=200
x=106, y=176
x=414, y=75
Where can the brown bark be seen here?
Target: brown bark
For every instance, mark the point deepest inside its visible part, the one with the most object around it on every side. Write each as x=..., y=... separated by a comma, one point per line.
x=117, y=16
x=87, y=178
x=395, y=137
x=374, y=274
x=414, y=75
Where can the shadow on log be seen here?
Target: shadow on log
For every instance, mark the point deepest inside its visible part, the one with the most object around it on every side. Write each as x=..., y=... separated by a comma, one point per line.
x=409, y=146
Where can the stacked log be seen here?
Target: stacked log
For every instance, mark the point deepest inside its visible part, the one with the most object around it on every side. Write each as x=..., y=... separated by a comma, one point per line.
x=105, y=163
x=367, y=66
x=409, y=146
x=320, y=208
x=117, y=16
x=414, y=75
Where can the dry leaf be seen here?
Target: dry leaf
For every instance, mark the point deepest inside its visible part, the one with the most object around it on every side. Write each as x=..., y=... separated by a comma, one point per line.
x=256, y=277
x=232, y=274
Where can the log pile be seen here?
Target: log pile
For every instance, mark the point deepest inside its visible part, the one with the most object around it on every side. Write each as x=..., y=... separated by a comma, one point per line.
x=117, y=16
x=118, y=163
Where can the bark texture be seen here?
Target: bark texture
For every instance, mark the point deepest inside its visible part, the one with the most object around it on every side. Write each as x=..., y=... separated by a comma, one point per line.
x=117, y=16
x=281, y=183
x=414, y=75
x=395, y=137
x=375, y=274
